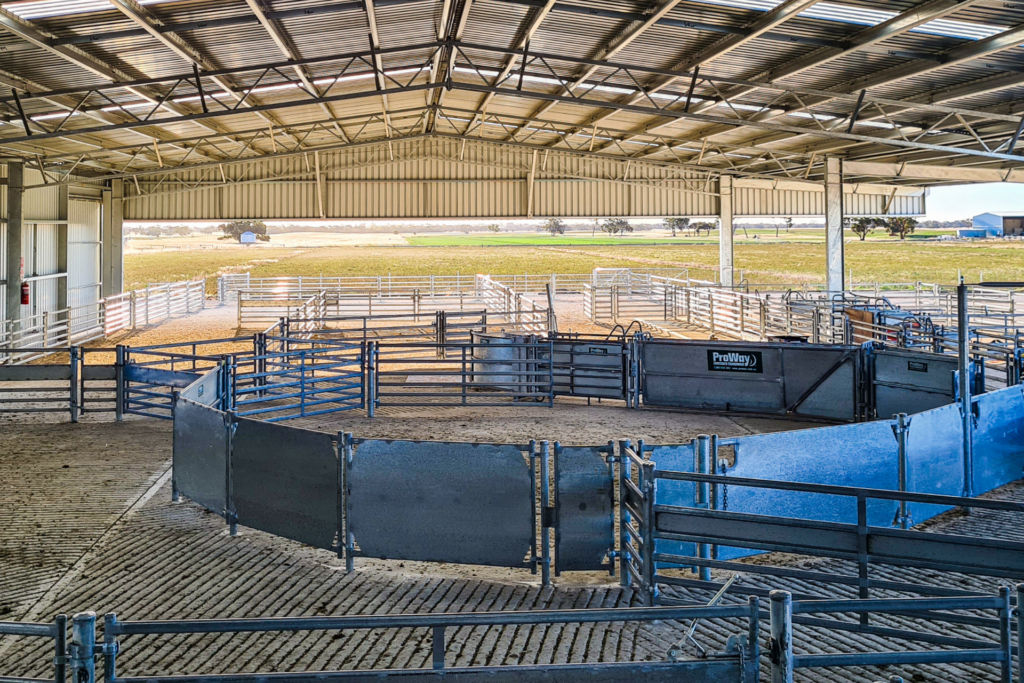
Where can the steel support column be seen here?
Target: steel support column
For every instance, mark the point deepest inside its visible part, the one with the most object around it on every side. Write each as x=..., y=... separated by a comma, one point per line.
x=62, y=246
x=15, y=194
x=836, y=259
x=725, y=233
x=113, y=239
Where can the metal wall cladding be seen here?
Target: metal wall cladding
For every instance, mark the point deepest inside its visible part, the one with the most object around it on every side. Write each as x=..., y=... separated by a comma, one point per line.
x=285, y=481
x=41, y=203
x=200, y=454
x=83, y=252
x=911, y=382
x=584, y=509
x=440, y=502
x=749, y=201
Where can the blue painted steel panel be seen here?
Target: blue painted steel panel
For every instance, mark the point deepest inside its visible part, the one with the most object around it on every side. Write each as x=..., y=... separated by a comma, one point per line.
x=673, y=458
x=998, y=438
x=934, y=458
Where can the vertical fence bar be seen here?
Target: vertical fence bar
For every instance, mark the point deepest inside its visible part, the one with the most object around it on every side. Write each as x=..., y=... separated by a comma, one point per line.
x=83, y=647
x=348, y=538
x=862, y=552
x=110, y=647
x=119, y=384
x=60, y=648
x=902, y=428
x=437, y=647
x=545, y=503
x=753, y=662
x=1006, y=636
x=963, y=355
x=73, y=400
x=625, y=465
x=650, y=589
x=702, y=465
x=781, y=642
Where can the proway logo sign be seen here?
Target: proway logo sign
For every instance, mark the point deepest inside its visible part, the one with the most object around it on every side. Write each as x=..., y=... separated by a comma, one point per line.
x=727, y=360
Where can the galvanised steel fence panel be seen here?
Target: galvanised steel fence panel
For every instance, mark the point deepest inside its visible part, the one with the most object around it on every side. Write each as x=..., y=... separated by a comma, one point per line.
x=149, y=391
x=798, y=379
x=491, y=371
x=57, y=631
x=200, y=454
x=591, y=369
x=584, y=508
x=859, y=541
x=304, y=378
x=910, y=381
x=40, y=388
x=441, y=502
x=733, y=665
x=285, y=481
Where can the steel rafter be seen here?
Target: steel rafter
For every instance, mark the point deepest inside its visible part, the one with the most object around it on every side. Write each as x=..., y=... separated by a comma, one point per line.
x=475, y=79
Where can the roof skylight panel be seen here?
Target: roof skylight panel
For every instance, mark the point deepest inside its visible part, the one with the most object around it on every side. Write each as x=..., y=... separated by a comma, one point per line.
x=830, y=11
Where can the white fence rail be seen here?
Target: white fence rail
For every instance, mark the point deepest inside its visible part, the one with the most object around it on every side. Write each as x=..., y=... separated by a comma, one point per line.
x=79, y=324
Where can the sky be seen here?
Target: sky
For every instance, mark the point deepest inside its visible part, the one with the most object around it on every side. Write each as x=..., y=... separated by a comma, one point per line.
x=965, y=201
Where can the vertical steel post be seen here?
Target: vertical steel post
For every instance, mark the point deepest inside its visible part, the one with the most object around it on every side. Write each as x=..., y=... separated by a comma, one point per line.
x=781, y=612
x=702, y=465
x=74, y=354
x=83, y=647
x=110, y=647
x=963, y=353
x=647, y=533
x=834, y=247
x=60, y=648
x=119, y=384
x=545, y=502
x=753, y=664
x=1020, y=632
x=437, y=633
x=349, y=539
x=902, y=429
x=1006, y=636
x=625, y=465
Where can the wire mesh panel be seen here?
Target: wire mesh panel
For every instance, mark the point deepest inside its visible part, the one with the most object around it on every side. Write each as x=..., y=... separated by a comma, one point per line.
x=584, y=508
x=440, y=502
x=200, y=454
x=285, y=481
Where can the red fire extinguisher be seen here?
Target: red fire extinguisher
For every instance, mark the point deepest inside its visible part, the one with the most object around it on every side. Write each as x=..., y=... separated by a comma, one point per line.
x=24, y=294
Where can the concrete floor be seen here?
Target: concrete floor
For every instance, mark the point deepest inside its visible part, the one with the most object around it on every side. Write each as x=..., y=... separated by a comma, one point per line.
x=86, y=522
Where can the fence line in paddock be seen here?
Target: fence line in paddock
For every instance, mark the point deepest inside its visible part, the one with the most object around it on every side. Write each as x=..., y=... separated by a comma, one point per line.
x=310, y=311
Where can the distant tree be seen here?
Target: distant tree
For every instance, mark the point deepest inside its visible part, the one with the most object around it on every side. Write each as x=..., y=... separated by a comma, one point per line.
x=556, y=226
x=616, y=226
x=862, y=227
x=494, y=227
x=677, y=225
x=235, y=230
x=702, y=226
x=901, y=225
x=181, y=231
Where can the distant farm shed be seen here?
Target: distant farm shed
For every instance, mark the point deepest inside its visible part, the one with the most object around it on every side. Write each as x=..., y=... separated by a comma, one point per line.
x=1000, y=224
